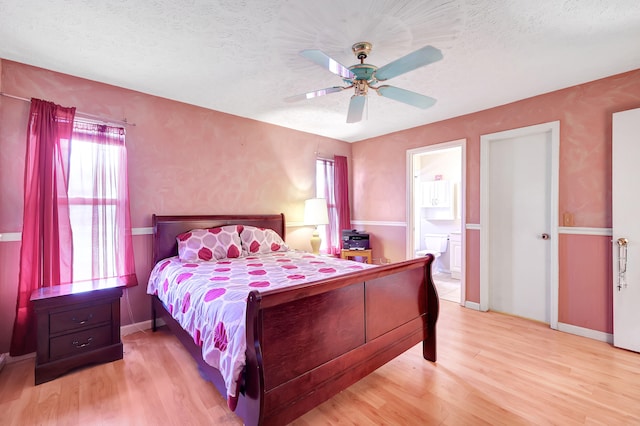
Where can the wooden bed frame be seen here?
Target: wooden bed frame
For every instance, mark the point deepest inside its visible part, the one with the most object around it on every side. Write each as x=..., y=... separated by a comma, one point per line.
x=307, y=343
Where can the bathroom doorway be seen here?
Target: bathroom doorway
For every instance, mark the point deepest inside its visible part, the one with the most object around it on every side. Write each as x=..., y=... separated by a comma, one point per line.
x=436, y=214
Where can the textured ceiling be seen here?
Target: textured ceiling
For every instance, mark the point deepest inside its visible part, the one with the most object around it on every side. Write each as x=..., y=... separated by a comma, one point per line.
x=241, y=56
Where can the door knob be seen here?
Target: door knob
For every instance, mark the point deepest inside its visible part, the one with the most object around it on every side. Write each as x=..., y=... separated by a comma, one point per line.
x=545, y=236
x=622, y=242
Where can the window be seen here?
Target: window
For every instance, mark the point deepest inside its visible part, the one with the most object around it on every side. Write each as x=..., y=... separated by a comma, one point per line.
x=71, y=169
x=325, y=189
x=97, y=189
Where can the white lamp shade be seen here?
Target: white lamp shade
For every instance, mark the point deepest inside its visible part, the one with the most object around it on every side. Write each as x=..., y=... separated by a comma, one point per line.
x=315, y=212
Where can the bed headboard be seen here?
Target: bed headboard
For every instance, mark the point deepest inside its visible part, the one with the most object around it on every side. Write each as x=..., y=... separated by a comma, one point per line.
x=167, y=228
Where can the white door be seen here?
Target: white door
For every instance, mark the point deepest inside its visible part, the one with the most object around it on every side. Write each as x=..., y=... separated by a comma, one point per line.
x=626, y=225
x=518, y=229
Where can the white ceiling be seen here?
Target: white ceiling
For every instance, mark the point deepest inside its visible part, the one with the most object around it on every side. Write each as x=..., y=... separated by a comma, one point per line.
x=241, y=56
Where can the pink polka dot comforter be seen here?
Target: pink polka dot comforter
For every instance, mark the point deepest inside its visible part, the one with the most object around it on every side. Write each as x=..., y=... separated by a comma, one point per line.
x=208, y=299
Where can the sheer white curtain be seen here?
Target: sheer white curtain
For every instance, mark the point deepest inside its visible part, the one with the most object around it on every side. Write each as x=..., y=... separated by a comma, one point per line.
x=99, y=204
x=330, y=233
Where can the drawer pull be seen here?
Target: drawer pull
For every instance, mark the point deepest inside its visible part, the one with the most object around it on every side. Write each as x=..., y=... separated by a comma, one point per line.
x=82, y=345
x=81, y=322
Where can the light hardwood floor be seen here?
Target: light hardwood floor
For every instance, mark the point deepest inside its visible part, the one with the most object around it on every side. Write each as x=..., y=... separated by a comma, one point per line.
x=492, y=369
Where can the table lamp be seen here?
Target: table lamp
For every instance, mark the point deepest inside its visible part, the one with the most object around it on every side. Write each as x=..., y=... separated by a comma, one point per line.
x=315, y=213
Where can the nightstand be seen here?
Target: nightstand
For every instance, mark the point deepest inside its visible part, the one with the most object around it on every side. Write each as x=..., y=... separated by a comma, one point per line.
x=77, y=325
x=366, y=254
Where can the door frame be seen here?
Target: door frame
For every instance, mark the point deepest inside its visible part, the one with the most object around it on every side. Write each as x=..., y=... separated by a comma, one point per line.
x=410, y=207
x=485, y=210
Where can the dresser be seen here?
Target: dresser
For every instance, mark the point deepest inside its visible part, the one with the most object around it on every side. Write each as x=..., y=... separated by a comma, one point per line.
x=77, y=325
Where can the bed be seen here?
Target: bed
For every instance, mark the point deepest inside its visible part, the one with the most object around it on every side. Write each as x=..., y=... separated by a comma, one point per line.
x=307, y=342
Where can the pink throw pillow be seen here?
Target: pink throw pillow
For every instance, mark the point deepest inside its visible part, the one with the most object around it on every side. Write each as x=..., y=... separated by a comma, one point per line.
x=202, y=245
x=260, y=240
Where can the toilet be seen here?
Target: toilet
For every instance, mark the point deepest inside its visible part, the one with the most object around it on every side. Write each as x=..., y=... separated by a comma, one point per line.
x=435, y=244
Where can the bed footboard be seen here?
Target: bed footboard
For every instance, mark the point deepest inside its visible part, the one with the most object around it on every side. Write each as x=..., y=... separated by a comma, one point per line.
x=306, y=344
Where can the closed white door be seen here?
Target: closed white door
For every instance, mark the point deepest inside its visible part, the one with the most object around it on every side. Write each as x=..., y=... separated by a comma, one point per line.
x=626, y=229
x=518, y=230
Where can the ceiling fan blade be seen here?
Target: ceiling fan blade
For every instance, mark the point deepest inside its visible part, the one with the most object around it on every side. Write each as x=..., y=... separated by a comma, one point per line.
x=325, y=61
x=410, y=62
x=314, y=94
x=356, y=107
x=406, y=96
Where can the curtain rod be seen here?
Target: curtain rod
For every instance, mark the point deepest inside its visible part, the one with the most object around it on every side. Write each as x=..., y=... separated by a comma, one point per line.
x=123, y=122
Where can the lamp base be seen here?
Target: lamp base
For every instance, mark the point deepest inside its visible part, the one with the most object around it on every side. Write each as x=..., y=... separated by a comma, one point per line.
x=315, y=242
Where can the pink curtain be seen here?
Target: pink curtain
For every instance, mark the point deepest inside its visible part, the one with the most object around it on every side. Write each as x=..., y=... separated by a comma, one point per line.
x=46, y=252
x=99, y=202
x=335, y=176
x=341, y=193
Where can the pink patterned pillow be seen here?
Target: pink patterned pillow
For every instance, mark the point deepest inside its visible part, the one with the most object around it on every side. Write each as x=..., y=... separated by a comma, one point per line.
x=260, y=240
x=200, y=245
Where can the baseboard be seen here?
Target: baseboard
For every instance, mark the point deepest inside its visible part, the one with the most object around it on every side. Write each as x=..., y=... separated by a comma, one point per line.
x=472, y=305
x=125, y=330
x=566, y=328
x=586, y=332
x=5, y=358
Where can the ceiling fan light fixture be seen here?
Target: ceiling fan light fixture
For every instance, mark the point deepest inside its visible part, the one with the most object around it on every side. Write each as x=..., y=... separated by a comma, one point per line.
x=361, y=87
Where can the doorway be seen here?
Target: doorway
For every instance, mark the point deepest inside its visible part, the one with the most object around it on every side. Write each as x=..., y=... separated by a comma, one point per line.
x=435, y=213
x=519, y=222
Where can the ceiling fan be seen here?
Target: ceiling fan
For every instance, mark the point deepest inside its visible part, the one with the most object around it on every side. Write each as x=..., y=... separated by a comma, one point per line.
x=363, y=77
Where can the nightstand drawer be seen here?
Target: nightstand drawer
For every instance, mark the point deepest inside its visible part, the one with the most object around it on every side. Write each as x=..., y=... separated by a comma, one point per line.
x=80, y=342
x=79, y=318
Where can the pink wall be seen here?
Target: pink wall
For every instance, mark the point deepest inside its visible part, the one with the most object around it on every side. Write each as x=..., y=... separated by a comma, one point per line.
x=391, y=248
x=185, y=159
x=586, y=297
x=472, y=266
x=182, y=159
x=584, y=113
